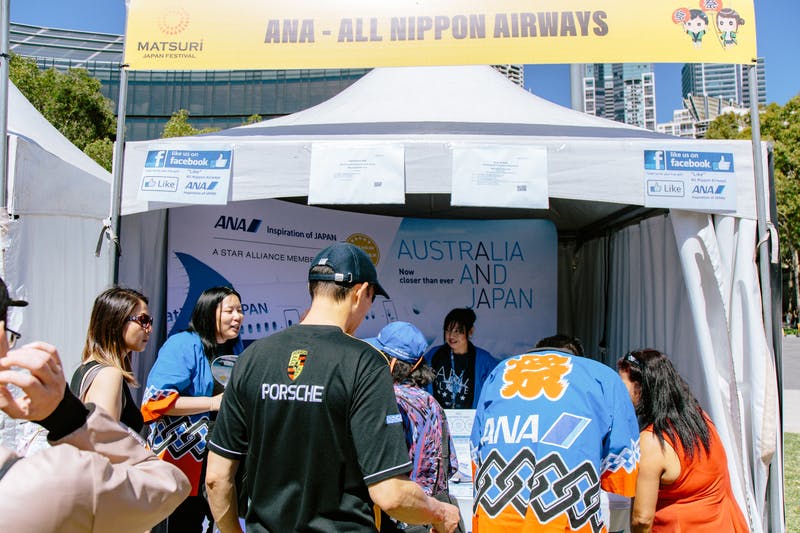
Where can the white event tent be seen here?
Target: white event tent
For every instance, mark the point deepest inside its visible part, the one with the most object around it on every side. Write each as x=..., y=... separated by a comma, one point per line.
x=629, y=277
x=58, y=198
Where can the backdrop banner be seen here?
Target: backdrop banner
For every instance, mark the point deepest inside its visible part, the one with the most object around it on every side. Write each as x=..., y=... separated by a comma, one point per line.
x=504, y=269
x=285, y=34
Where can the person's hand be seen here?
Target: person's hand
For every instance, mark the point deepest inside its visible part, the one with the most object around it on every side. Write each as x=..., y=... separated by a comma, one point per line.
x=216, y=401
x=450, y=521
x=43, y=388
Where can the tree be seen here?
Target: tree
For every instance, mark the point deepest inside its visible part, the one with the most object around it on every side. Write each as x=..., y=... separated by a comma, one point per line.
x=781, y=126
x=729, y=126
x=71, y=101
x=178, y=126
x=252, y=119
x=102, y=151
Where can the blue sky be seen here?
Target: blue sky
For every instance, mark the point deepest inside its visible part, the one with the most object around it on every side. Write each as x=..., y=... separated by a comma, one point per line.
x=776, y=22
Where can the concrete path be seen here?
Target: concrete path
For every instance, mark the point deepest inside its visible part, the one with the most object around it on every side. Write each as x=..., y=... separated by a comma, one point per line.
x=791, y=384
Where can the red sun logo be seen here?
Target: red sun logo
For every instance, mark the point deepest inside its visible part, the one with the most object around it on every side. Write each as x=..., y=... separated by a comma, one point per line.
x=173, y=21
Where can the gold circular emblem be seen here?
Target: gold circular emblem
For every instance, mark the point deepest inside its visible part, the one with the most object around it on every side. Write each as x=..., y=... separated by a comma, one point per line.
x=366, y=243
x=173, y=21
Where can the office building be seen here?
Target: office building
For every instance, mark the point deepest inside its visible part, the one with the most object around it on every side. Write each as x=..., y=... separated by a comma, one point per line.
x=624, y=92
x=697, y=113
x=727, y=82
x=515, y=73
x=218, y=99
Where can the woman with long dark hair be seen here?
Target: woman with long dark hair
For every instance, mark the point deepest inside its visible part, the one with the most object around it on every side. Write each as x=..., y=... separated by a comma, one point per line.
x=119, y=325
x=683, y=482
x=459, y=366
x=181, y=399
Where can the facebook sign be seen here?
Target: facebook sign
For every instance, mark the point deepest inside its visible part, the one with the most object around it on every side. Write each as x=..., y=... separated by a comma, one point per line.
x=675, y=160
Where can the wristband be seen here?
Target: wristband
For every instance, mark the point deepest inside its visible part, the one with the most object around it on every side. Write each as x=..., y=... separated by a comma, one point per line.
x=69, y=415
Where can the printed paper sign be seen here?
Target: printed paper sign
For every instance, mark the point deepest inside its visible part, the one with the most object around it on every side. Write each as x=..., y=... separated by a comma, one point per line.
x=500, y=176
x=685, y=179
x=460, y=423
x=186, y=176
x=357, y=173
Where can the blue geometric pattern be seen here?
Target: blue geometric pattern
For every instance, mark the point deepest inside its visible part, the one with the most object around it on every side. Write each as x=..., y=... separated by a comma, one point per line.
x=628, y=459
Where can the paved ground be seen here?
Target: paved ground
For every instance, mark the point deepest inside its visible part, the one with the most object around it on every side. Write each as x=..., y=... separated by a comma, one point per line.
x=791, y=384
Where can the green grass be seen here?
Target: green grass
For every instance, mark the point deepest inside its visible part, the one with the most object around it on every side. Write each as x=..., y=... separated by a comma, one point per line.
x=791, y=480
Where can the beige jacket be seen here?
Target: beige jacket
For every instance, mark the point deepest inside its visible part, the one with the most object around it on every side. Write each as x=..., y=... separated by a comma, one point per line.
x=97, y=478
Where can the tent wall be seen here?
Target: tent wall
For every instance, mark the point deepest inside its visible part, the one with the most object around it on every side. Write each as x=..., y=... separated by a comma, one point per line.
x=143, y=266
x=687, y=285
x=52, y=260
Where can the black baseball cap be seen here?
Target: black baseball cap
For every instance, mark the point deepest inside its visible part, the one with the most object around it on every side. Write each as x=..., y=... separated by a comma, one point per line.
x=6, y=301
x=350, y=265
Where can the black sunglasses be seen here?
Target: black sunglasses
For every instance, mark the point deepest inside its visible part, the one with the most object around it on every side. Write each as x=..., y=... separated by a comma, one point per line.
x=12, y=337
x=143, y=320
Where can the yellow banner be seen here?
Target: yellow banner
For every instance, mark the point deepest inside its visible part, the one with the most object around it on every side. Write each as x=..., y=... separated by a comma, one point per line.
x=294, y=34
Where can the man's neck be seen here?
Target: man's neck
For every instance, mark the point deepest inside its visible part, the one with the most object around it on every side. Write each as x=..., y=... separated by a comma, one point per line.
x=326, y=312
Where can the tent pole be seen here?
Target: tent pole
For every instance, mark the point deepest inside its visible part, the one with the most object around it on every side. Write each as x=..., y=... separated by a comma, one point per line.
x=761, y=207
x=775, y=521
x=4, y=59
x=116, y=179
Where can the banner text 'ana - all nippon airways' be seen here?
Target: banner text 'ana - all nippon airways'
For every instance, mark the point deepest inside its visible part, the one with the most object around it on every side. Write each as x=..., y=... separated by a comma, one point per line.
x=252, y=34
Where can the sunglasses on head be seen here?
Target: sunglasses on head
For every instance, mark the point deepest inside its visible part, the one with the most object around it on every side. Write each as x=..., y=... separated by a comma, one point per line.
x=630, y=358
x=143, y=320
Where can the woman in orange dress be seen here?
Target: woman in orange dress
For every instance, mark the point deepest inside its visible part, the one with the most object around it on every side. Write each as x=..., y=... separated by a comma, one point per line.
x=683, y=483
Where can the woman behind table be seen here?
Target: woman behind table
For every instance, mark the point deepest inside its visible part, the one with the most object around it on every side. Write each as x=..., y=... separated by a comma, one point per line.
x=683, y=482
x=120, y=324
x=460, y=367
x=180, y=400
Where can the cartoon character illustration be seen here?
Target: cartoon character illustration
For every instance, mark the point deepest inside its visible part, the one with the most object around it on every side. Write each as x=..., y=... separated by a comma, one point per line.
x=695, y=26
x=728, y=22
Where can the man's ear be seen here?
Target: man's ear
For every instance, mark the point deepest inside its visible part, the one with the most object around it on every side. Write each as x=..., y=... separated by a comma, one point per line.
x=362, y=290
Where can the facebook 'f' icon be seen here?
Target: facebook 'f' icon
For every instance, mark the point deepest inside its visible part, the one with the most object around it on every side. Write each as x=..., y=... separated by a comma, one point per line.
x=156, y=158
x=654, y=160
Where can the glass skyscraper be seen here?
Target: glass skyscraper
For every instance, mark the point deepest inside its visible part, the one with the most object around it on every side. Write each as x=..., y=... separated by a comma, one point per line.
x=728, y=82
x=625, y=92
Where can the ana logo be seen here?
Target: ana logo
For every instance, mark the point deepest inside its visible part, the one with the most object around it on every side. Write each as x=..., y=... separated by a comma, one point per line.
x=296, y=363
x=173, y=21
x=239, y=224
x=201, y=185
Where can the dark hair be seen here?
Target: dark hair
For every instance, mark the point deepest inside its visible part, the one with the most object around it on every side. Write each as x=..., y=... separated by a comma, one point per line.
x=562, y=342
x=697, y=13
x=422, y=376
x=666, y=401
x=338, y=291
x=105, y=341
x=204, y=320
x=463, y=317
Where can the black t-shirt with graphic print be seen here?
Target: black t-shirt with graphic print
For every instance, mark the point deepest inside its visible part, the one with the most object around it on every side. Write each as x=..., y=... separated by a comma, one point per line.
x=312, y=412
x=454, y=384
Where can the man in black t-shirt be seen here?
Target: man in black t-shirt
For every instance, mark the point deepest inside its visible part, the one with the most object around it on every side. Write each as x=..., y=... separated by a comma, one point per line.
x=311, y=410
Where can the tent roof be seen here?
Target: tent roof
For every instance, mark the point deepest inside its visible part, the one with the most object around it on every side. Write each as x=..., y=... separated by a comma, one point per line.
x=431, y=100
x=48, y=174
